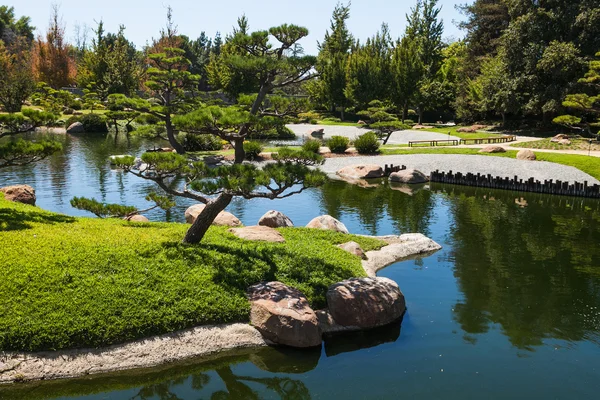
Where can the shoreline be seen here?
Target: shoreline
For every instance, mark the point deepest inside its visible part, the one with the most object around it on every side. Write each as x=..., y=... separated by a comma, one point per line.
x=181, y=345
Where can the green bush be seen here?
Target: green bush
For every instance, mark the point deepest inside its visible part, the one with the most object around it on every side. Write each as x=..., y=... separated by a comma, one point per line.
x=367, y=143
x=338, y=144
x=277, y=132
x=313, y=121
x=201, y=142
x=252, y=149
x=92, y=123
x=309, y=116
x=312, y=145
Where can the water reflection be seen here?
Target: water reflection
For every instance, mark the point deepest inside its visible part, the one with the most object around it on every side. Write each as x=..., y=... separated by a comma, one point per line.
x=533, y=271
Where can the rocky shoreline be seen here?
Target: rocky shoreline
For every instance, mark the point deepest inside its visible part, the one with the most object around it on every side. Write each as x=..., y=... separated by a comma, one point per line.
x=186, y=344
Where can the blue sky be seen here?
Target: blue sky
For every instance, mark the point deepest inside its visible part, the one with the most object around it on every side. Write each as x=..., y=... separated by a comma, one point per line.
x=144, y=18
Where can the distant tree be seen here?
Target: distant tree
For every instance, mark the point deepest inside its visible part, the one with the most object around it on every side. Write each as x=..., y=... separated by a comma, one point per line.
x=12, y=29
x=110, y=65
x=585, y=104
x=52, y=62
x=368, y=70
x=248, y=63
x=407, y=71
x=333, y=59
x=16, y=76
x=21, y=152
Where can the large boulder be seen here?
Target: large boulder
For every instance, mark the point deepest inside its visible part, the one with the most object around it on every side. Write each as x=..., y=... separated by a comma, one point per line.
x=136, y=218
x=283, y=316
x=76, y=127
x=259, y=233
x=559, y=137
x=327, y=222
x=316, y=133
x=526, y=155
x=566, y=142
x=365, y=302
x=19, y=193
x=410, y=176
x=275, y=219
x=353, y=248
x=224, y=218
x=361, y=171
x=493, y=149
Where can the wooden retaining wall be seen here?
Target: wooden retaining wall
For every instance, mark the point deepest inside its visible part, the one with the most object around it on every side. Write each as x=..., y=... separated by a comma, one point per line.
x=516, y=184
x=388, y=169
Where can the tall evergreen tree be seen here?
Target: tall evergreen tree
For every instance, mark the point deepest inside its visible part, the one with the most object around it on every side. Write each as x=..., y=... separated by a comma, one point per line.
x=333, y=59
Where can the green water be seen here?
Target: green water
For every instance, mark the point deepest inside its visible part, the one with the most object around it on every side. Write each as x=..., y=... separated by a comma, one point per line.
x=509, y=308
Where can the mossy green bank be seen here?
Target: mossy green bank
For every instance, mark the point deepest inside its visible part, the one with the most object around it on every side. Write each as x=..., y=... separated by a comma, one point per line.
x=78, y=282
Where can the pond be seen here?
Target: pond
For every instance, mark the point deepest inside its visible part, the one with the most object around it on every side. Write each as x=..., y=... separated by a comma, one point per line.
x=509, y=308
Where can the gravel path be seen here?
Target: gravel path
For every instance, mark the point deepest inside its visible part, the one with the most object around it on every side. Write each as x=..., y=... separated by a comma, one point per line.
x=497, y=166
x=351, y=132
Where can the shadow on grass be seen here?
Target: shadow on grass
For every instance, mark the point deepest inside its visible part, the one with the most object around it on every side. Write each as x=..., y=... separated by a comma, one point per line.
x=14, y=220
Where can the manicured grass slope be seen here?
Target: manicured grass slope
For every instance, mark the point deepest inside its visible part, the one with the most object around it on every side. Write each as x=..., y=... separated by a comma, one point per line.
x=76, y=282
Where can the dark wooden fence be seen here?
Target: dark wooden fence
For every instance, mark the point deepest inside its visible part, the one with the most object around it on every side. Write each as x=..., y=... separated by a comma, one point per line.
x=434, y=143
x=489, y=140
x=516, y=184
x=388, y=169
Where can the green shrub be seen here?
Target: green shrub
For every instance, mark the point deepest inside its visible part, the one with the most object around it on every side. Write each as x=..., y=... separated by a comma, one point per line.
x=92, y=123
x=338, y=144
x=367, y=143
x=277, y=132
x=312, y=145
x=331, y=119
x=201, y=142
x=313, y=121
x=309, y=116
x=252, y=149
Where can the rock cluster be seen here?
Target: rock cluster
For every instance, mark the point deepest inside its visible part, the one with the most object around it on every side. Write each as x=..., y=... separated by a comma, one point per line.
x=76, y=127
x=410, y=176
x=493, y=149
x=275, y=219
x=224, y=218
x=526, y=155
x=258, y=233
x=361, y=171
x=327, y=222
x=283, y=316
x=19, y=193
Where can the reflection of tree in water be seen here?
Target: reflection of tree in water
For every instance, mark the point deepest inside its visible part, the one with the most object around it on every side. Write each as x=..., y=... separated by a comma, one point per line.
x=407, y=213
x=286, y=388
x=534, y=270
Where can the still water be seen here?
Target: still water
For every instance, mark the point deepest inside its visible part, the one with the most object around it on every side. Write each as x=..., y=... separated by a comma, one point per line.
x=509, y=308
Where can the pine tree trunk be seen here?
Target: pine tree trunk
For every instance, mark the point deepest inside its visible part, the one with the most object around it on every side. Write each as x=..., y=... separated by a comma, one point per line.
x=404, y=111
x=420, y=116
x=342, y=114
x=240, y=154
x=503, y=119
x=171, y=136
x=198, y=229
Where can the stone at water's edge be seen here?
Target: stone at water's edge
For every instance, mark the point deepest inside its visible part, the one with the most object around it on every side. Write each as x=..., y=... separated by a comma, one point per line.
x=275, y=219
x=399, y=248
x=493, y=149
x=361, y=171
x=411, y=176
x=327, y=222
x=224, y=218
x=76, y=127
x=283, y=316
x=258, y=233
x=136, y=218
x=365, y=302
x=353, y=248
x=19, y=193
x=526, y=155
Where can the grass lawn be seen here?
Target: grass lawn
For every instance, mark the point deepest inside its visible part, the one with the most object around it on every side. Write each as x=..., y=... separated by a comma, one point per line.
x=463, y=135
x=576, y=144
x=76, y=282
x=333, y=123
x=589, y=165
